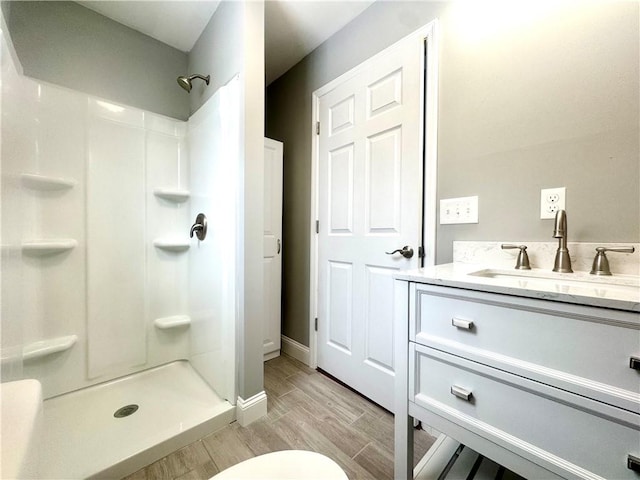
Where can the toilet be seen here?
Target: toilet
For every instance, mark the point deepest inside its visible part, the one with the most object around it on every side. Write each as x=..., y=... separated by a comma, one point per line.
x=285, y=465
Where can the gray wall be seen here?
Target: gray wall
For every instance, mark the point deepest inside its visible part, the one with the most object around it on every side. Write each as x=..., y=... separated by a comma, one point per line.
x=69, y=45
x=218, y=52
x=252, y=153
x=538, y=97
x=233, y=43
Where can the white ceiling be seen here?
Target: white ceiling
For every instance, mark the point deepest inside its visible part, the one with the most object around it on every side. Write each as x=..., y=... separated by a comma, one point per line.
x=293, y=28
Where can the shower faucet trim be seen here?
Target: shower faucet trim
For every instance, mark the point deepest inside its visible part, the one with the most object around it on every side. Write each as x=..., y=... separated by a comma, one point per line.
x=199, y=227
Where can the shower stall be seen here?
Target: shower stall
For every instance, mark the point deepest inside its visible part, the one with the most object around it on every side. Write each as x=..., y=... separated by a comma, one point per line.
x=127, y=321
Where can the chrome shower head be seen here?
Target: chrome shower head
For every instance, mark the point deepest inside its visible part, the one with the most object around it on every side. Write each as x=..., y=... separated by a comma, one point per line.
x=185, y=82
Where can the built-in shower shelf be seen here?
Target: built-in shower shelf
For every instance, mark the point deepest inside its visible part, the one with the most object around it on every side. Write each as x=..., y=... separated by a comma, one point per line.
x=46, y=183
x=171, y=245
x=48, y=247
x=175, y=321
x=45, y=348
x=172, y=194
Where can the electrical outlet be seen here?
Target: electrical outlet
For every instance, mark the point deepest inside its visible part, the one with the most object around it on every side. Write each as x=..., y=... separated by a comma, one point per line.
x=458, y=210
x=552, y=200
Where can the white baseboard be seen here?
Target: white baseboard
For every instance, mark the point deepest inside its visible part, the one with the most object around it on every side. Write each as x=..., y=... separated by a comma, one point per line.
x=295, y=349
x=271, y=355
x=250, y=410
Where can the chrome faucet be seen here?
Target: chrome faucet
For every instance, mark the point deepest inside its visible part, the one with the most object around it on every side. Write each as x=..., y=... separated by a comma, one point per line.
x=601, y=262
x=522, y=263
x=562, y=263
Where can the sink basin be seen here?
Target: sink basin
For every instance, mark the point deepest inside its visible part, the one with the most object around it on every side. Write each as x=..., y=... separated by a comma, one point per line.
x=20, y=429
x=577, y=283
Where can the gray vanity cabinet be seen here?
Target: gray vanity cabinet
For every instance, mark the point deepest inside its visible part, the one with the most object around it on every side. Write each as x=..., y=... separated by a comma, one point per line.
x=545, y=388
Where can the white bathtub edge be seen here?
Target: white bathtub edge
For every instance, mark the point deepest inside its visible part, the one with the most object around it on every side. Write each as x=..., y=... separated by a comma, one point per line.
x=146, y=457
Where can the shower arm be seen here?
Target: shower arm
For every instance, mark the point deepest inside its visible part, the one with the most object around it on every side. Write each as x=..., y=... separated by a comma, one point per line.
x=185, y=82
x=201, y=77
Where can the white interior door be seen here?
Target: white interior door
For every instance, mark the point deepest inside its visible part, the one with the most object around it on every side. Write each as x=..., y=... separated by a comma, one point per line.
x=272, y=246
x=369, y=202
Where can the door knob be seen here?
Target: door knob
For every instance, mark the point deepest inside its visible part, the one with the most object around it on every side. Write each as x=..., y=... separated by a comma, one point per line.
x=200, y=227
x=406, y=251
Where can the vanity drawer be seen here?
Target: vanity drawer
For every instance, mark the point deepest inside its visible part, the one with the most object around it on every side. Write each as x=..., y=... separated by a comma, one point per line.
x=523, y=416
x=585, y=350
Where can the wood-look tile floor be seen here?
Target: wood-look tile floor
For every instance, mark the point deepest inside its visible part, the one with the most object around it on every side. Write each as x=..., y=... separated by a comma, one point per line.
x=306, y=411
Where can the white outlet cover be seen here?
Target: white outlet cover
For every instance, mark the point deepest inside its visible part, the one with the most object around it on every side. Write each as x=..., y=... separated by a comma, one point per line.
x=552, y=200
x=458, y=210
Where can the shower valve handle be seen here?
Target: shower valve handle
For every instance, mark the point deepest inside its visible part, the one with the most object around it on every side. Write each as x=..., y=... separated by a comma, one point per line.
x=200, y=227
x=196, y=227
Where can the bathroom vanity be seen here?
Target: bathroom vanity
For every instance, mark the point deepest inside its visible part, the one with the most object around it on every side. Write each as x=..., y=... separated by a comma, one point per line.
x=539, y=372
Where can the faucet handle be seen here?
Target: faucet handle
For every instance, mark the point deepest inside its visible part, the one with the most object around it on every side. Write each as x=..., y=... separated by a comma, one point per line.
x=199, y=227
x=601, y=262
x=522, y=262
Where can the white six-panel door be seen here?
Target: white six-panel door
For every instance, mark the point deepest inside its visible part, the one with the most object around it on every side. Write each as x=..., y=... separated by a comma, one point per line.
x=369, y=202
x=272, y=250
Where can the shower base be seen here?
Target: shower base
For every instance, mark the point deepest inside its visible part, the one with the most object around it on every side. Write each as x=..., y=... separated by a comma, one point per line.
x=83, y=438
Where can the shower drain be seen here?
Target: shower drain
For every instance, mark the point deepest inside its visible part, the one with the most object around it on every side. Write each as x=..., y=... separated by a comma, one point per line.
x=126, y=411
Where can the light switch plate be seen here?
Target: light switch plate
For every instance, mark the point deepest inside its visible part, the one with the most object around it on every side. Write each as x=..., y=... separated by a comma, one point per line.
x=458, y=210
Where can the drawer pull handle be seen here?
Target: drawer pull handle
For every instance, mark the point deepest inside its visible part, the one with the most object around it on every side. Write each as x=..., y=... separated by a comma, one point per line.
x=462, y=393
x=633, y=463
x=463, y=324
x=634, y=362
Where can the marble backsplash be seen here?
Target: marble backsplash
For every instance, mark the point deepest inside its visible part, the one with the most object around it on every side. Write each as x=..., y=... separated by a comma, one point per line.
x=542, y=255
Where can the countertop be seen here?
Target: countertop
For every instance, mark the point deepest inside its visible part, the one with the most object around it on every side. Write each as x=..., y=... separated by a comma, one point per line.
x=620, y=292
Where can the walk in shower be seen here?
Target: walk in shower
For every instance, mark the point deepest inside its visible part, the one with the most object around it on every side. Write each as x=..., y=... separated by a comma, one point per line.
x=127, y=322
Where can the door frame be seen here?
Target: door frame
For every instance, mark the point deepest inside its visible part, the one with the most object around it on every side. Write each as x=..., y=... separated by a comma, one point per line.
x=428, y=145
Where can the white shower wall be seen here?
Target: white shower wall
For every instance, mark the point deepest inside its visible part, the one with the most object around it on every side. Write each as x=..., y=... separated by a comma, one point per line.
x=42, y=133
x=214, y=141
x=110, y=283
x=10, y=261
x=117, y=162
